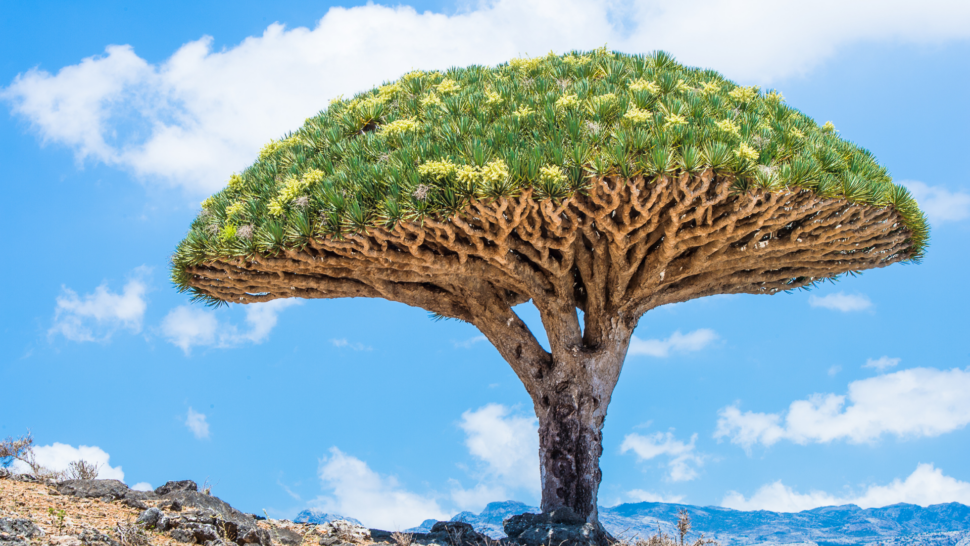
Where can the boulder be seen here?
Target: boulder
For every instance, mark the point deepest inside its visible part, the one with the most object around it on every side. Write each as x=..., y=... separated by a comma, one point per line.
x=561, y=527
x=150, y=518
x=18, y=532
x=171, y=487
x=345, y=531
x=286, y=537
x=108, y=490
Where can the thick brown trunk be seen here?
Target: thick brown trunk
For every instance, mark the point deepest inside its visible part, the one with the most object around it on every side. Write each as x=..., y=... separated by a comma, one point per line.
x=571, y=399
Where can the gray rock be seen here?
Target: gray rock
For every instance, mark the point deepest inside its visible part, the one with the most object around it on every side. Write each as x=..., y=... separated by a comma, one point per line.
x=18, y=530
x=252, y=535
x=183, y=535
x=134, y=503
x=103, y=489
x=561, y=527
x=346, y=531
x=171, y=487
x=286, y=537
x=92, y=537
x=149, y=518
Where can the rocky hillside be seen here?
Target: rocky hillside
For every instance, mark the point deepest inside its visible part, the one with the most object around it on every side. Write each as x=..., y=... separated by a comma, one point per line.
x=900, y=524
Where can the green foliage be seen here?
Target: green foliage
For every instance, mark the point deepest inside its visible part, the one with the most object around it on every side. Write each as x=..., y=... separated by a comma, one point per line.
x=428, y=143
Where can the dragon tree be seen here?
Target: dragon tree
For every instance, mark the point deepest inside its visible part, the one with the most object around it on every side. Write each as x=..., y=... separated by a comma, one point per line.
x=593, y=181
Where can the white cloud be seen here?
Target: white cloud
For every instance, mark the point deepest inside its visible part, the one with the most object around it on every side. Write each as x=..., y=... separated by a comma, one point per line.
x=940, y=204
x=909, y=403
x=98, y=315
x=639, y=495
x=676, y=343
x=190, y=326
x=834, y=370
x=507, y=448
x=882, y=363
x=925, y=486
x=682, y=459
x=196, y=422
x=214, y=109
x=377, y=501
x=468, y=343
x=142, y=486
x=58, y=457
x=840, y=301
x=342, y=342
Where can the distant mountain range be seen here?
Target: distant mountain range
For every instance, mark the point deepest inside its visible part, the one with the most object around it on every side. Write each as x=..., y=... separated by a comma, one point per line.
x=318, y=516
x=896, y=525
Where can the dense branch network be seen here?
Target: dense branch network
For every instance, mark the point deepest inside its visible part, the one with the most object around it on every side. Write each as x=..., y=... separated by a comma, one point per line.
x=619, y=250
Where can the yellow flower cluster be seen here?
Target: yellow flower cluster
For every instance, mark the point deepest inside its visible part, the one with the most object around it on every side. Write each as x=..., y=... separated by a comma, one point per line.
x=228, y=232
x=675, y=119
x=796, y=132
x=728, y=126
x=683, y=87
x=292, y=188
x=271, y=148
x=336, y=99
x=437, y=169
x=430, y=100
x=576, y=60
x=525, y=64
x=235, y=209
x=643, y=85
x=493, y=98
x=235, y=182
x=775, y=96
x=829, y=127
x=387, y=92
x=551, y=173
x=399, y=127
x=368, y=103
x=566, y=102
x=414, y=74
x=747, y=152
x=637, y=115
x=523, y=111
x=492, y=172
x=708, y=88
x=744, y=94
x=447, y=86
x=209, y=201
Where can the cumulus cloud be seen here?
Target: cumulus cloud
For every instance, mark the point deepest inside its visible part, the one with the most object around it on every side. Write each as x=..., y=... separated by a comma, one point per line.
x=676, y=343
x=840, y=301
x=58, y=457
x=909, y=403
x=142, y=486
x=197, y=423
x=190, y=326
x=940, y=204
x=214, y=109
x=682, y=459
x=97, y=315
x=882, y=363
x=506, y=445
x=377, y=501
x=925, y=486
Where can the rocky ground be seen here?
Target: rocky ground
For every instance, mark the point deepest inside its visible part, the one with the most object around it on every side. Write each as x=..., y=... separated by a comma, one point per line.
x=108, y=513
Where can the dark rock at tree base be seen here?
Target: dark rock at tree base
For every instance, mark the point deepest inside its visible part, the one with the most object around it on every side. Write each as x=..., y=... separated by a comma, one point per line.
x=103, y=489
x=171, y=487
x=561, y=527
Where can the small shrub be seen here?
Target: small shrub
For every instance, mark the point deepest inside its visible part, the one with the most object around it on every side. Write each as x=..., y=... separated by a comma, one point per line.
x=82, y=470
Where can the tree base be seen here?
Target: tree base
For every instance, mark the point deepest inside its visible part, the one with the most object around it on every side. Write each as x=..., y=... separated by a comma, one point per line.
x=561, y=527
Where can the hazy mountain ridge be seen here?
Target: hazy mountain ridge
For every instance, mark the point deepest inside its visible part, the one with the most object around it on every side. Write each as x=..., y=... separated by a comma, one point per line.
x=895, y=525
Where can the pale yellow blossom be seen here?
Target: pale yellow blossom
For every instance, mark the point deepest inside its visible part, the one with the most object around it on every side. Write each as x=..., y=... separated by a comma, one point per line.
x=493, y=98
x=829, y=127
x=525, y=64
x=437, y=169
x=523, y=111
x=447, y=86
x=235, y=182
x=551, y=173
x=430, y=100
x=728, y=126
x=744, y=94
x=399, y=126
x=637, y=115
x=675, y=119
x=644, y=85
x=235, y=209
x=747, y=152
x=566, y=102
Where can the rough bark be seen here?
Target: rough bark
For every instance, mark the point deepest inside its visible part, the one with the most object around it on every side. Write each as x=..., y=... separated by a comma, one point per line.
x=622, y=248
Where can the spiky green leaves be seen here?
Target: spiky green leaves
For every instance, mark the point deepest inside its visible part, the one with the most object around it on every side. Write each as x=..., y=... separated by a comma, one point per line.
x=430, y=142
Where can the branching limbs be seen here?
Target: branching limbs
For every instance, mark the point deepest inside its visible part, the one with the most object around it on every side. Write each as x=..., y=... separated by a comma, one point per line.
x=622, y=248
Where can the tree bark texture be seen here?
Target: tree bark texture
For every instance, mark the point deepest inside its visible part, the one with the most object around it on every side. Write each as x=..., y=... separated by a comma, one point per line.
x=614, y=252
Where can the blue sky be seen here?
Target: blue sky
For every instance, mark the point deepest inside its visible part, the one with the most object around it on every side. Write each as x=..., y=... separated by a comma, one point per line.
x=119, y=119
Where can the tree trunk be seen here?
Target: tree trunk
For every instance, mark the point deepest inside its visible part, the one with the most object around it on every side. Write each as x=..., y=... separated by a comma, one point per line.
x=570, y=400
